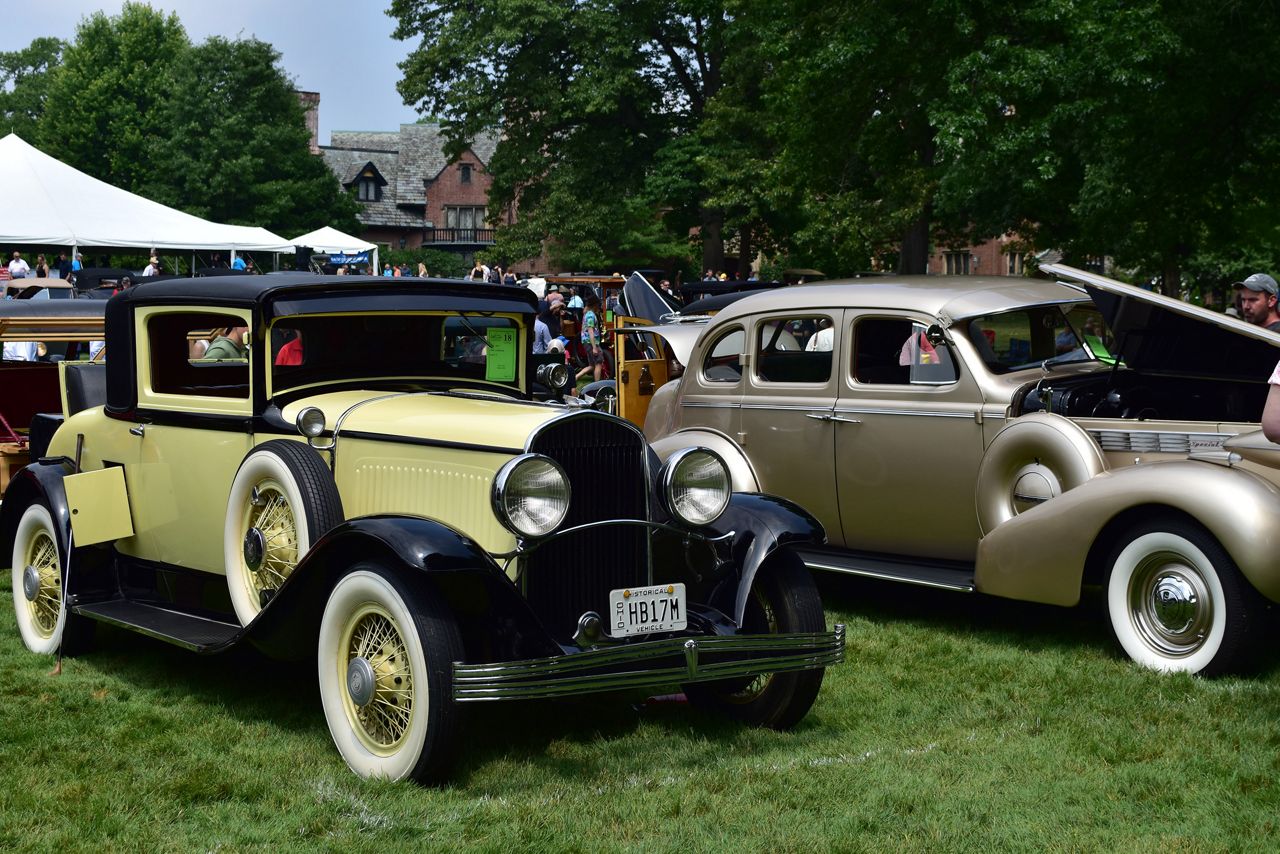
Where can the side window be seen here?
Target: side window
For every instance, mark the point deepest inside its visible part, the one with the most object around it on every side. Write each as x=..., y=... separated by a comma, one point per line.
x=795, y=349
x=723, y=362
x=892, y=351
x=199, y=353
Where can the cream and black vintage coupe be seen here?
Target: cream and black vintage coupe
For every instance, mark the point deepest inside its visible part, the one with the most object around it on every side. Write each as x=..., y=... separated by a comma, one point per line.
x=359, y=471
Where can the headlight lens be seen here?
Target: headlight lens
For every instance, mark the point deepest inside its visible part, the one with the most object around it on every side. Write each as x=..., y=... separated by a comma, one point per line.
x=553, y=375
x=696, y=486
x=310, y=422
x=531, y=495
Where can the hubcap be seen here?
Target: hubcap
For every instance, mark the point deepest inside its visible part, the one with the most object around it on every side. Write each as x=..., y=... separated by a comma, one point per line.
x=255, y=546
x=1170, y=604
x=360, y=682
x=31, y=583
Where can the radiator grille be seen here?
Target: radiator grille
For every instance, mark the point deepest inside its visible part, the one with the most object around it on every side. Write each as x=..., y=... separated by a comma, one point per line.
x=604, y=460
x=1152, y=442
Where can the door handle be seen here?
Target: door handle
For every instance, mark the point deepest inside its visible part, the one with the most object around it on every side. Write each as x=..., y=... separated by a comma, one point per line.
x=138, y=430
x=829, y=416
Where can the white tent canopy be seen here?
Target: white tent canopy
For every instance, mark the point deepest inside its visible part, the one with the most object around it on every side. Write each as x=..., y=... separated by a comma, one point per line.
x=330, y=241
x=49, y=202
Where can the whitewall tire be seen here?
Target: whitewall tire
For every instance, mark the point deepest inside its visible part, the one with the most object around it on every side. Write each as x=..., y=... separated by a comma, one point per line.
x=282, y=500
x=385, y=660
x=38, y=600
x=1176, y=600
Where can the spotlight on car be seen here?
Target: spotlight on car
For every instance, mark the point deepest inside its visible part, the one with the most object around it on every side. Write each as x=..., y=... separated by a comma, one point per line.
x=554, y=376
x=310, y=422
x=695, y=486
x=531, y=495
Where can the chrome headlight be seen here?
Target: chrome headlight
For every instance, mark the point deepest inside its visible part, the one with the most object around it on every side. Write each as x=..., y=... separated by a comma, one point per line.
x=695, y=486
x=531, y=495
x=553, y=375
x=310, y=422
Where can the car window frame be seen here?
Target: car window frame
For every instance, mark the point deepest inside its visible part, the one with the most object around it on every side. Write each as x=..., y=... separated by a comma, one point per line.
x=149, y=398
x=851, y=380
x=705, y=353
x=753, y=357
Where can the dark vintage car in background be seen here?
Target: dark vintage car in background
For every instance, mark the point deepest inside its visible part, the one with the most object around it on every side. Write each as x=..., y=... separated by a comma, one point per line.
x=353, y=469
x=1018, y=437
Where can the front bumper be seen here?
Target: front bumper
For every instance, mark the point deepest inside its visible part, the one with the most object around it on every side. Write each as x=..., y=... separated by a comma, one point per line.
x=648, y=664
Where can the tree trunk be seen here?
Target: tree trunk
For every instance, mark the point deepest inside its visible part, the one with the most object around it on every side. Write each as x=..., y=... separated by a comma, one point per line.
x=913, y=259
x=712, y=239
x=1171, y=277
x=744, y=252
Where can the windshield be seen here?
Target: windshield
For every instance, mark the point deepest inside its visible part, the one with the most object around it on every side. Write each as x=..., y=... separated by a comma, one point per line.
x=1027, y=337
x=400, y=348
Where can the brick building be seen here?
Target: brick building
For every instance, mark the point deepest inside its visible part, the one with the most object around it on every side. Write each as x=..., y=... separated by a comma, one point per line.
x=410, y=195
x=1000, y=256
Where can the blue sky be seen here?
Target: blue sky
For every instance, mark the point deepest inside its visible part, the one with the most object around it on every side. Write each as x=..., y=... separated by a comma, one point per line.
x=342, y=49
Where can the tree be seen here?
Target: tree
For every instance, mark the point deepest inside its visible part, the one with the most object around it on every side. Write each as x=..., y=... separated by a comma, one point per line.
x=596, y=103
x=24, y=85
x=236, y=144
x=108, y=94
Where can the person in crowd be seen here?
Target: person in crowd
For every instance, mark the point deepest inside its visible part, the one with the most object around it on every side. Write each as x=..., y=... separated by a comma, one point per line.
x=709, y=276
x=78, y=264
x=509, y=278
x=422, y=270
x=42, y=267
x=228, y=344
x=477, y=273
x=18, y=268
x=1258, y=301
x=386, y=270
x=238, y=263
x=153, y=267
x=575, y=301
x=20, y=351
x=555, y=309
x=541, y=330
x=591, y=338
x=62, y=265
x=396, y=272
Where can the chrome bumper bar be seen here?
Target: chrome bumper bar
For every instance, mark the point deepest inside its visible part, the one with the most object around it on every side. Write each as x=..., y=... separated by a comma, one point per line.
x=648, y=664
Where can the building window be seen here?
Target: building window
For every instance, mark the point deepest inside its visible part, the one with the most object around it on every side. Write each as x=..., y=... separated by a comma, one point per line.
x=367, y=190
x=1017, y=263
x=466, y=220
x=466, y=173
x=957, y=263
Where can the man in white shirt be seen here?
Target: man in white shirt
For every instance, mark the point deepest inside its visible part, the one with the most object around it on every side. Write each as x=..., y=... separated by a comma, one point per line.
x=20, y=351
x=18, y=268
x=153, y=268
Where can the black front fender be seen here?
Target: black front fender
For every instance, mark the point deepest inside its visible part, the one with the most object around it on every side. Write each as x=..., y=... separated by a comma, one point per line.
x=429, y=555
x=761, y=526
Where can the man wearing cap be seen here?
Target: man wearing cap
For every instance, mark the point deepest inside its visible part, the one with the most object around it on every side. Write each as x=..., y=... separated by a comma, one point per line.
x=1258, y=301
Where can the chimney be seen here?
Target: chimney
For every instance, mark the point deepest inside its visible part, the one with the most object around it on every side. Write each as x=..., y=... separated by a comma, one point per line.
x=311, y=109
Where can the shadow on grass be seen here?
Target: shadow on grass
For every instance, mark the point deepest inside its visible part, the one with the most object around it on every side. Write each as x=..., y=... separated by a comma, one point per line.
x=253, y=689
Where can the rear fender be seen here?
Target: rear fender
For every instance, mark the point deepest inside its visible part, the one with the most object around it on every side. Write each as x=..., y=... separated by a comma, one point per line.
x=761, y=526
x=1041, y=554
x=495, y=620
x=39, y=480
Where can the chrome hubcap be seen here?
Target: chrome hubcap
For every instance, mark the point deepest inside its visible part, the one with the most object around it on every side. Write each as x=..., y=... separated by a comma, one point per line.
x=31, y=583
x=360, y=681
x=255, y=547
x=1170, y=604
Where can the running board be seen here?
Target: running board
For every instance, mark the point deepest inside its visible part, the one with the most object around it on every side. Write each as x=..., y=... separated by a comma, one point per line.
x=955, y=576
x=198, y=634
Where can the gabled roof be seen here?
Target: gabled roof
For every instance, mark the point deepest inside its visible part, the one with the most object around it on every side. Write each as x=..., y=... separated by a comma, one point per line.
x=406, y=158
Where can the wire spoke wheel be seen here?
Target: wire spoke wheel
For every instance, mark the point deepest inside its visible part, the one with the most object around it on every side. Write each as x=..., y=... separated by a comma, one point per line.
x=37, y=577
x=42, y=565
x=384, y=717
x=273, y=519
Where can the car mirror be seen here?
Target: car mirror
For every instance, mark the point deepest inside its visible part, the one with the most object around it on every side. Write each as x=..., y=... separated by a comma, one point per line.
x=935, y=335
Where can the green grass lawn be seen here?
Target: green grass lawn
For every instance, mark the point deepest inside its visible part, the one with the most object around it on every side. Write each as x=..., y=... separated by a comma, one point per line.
x=957, y=723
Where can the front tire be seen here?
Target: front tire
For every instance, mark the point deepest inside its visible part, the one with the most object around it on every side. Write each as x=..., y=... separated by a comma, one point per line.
x=1176, y=600
x=282, y=500
x=38, y=600
x=784, y=599
x=385, y=660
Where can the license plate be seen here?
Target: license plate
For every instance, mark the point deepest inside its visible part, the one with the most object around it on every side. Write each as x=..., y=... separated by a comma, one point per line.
x=641, y=610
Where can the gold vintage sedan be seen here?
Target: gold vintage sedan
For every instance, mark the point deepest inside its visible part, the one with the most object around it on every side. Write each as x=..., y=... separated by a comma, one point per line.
x=1017, y=437
x=354, y=470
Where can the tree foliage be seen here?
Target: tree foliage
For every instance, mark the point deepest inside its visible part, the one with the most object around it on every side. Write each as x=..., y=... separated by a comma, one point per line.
x=24, y=85
x=214, y=129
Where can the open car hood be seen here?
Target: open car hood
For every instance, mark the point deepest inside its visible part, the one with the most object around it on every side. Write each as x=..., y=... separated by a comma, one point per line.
x=1158, y=334
x=641, y=299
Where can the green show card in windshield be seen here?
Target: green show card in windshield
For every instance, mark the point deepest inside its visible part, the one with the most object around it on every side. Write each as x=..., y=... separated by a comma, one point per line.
x=500, y=362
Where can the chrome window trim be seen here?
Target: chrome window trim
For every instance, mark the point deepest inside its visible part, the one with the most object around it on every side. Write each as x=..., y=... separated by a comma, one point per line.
x=847, y=410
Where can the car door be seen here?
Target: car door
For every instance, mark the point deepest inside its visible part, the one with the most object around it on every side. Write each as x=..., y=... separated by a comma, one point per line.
x=788, y=427
x=711, y=390
x=908, y=440
x=191, y=435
